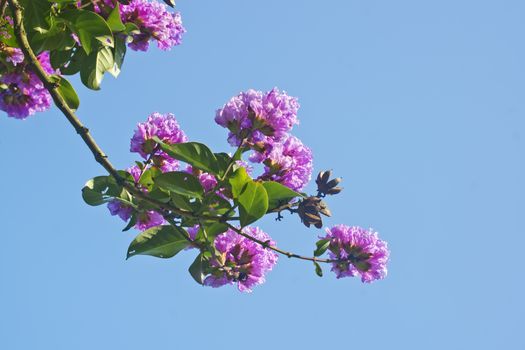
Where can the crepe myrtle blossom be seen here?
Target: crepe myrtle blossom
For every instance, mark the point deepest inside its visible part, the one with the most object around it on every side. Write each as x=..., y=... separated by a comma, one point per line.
x=360, y=251
x=260, y=118
x=207, y=180
x=154, y=22
x=146, y=219
x=241, y=260
x=22, y=93
x=289, y=162
x=166, y=128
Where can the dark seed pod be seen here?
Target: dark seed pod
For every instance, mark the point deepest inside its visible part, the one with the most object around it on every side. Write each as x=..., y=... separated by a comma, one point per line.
x=325, y=185
x=310, y=210
x=334, y=190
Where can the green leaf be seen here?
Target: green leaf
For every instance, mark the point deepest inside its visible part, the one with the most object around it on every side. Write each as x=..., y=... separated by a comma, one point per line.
x=69, y=94
x=318, y=269
x=181, y=202
x=198, y=268
x=35, y=14
x=93, y=191
x=253, y=203
x=131, y=28
x=75, y=63
x=159, y=241
x=56, y=38
x=94, y=66
x=216, y=205
x=89, y=26
x=215, y=229
x=132, y=222
x=223, y=160
x=322, y=245
x=119, y=52
x=278, y=194
x=196, y=154
x=180, y=182
x=114, y=21
x=238, y=181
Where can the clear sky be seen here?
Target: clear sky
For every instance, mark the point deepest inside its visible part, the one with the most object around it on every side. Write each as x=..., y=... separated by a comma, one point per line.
x=418, y=105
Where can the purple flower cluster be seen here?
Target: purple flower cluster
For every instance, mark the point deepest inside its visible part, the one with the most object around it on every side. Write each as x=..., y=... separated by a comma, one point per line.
x=207, y=180
x=146, y=219
x=23, y=93
x=243, y=261
x=360, y=251
x=166, y=128
x=263, y=121
x=258, y=117
x=289, y=163
x=154, y=22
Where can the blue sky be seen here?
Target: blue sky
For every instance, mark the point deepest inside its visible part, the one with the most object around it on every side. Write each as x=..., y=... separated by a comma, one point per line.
x=418, y=105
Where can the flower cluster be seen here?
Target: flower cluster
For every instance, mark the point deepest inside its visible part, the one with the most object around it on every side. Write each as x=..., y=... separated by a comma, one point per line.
x=359, y=253
x=241, y=260
x=154, y=22
x=258, y=117
x=289, y=163
x=145, y=219
x=22, y=93
x=262, y=122
x=166, y=128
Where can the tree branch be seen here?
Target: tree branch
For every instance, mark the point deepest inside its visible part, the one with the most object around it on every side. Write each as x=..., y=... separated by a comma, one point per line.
x=101, y=157
x=278, y=250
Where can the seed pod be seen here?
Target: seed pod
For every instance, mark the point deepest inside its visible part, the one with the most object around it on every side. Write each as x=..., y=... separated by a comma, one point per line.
x=310, y=210
x=325, y=185
x=334, y=190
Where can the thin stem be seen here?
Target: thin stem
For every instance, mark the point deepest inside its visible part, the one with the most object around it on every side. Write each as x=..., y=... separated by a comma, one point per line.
x=101, y=158
x=278, y=250
x=3, y=6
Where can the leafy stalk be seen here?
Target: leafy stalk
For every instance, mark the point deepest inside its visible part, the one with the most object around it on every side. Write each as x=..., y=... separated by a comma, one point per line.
x=100, y=157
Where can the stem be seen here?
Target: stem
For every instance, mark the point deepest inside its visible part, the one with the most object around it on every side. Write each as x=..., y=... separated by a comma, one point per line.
x=101, y=158
x=3, y=6
x=278, y=250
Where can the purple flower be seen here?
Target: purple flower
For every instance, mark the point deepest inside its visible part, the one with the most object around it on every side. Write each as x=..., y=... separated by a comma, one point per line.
x=289, y=163
x=207, y=180
x=259, y=117
x=154, y=22
x=166, y=128
x=24, y=93
x=123, y=211
x=14, y=55
x=243, y=261
x=361, y=253
x=148, y=220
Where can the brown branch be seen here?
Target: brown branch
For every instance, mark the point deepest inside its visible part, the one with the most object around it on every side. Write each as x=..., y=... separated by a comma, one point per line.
x=101, y=157
x=3, y=6
x=278, y=250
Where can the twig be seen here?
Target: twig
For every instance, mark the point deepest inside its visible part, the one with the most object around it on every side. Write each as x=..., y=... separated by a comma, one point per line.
x=278, y=250
x=101, y=158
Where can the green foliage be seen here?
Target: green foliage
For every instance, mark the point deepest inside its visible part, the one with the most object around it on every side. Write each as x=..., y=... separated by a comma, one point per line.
x=159, y=241
x=253, y=203
x=181, y=183
x=322, y=245
x=278, y=194
x=198, y=269
x=196, y=154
